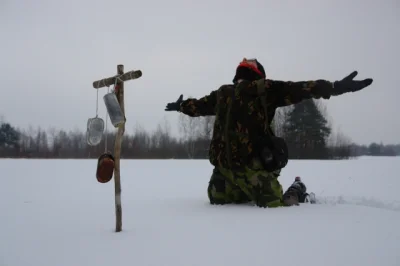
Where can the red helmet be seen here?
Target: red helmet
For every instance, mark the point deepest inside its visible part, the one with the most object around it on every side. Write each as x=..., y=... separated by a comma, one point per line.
x=297, y=178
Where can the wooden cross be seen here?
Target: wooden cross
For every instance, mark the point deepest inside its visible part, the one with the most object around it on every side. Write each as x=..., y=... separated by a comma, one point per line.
x=119, y=80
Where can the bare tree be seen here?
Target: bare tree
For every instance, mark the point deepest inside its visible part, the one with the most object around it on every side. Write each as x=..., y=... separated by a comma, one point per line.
x=41, y=143
x=190, y=128
x=207, y=124
x=279, y=120
x=161, y=140
x=140, y=144
x=340, y=145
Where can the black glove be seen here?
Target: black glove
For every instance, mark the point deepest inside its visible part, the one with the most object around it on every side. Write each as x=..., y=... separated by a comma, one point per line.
x=174, y=106
x=349, y=85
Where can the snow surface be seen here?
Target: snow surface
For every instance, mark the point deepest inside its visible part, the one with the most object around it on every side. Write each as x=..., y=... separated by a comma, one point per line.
x=54, y=213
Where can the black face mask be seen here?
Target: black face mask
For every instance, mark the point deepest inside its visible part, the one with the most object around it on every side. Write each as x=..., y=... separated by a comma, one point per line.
x=246, y=74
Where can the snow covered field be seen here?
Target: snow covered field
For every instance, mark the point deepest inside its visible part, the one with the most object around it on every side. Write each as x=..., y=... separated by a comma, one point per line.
x=54, y=213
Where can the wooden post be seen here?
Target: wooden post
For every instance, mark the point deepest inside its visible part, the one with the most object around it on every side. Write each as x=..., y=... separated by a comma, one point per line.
x=120, y=78
x=117, y=153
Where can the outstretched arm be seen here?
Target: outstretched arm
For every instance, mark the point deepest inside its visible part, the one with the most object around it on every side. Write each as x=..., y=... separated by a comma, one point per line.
x=195, y=107
x=288, y=93
x=200, y=107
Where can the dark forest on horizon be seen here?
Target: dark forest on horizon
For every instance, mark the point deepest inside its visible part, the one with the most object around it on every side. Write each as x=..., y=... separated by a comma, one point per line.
x=305, y=127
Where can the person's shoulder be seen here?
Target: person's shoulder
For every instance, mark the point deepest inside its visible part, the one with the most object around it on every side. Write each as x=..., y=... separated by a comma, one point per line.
x=225, y=89
x=226, y=86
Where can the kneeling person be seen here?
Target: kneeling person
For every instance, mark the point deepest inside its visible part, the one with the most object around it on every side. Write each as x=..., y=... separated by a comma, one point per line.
x=242, y=129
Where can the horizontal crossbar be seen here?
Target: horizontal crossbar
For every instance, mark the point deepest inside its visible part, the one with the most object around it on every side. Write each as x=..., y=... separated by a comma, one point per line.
x=134, y=74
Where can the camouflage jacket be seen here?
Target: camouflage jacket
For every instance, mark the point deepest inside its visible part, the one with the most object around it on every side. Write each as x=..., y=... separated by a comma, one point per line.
x=239, y=114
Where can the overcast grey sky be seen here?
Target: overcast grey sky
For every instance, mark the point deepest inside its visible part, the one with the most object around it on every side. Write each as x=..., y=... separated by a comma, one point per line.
x=52, y=51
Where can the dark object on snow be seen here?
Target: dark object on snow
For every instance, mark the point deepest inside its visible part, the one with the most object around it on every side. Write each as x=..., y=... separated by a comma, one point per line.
x=297, y=193
x=105, y=168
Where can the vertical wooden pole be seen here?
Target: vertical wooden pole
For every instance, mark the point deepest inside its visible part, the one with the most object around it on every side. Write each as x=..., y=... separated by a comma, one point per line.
x=117, y=154
x=120, y=78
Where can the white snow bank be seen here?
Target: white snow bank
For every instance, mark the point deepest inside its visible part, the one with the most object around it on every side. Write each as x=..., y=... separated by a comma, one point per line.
x=54, y=213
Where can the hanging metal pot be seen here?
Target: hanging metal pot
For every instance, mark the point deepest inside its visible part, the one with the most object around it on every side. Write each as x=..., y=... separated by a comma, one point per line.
x=95, y=129
x=114, y=109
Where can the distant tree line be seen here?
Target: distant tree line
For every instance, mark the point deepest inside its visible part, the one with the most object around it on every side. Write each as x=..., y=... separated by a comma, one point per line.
x=304, y=126
x=375, y=149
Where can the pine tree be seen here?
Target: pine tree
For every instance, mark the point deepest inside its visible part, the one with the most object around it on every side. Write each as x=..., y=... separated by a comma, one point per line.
x=306, y=132
x=8, y=136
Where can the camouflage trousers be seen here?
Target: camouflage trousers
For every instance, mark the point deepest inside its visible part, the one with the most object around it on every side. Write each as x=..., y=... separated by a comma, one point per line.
x=248, y=185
